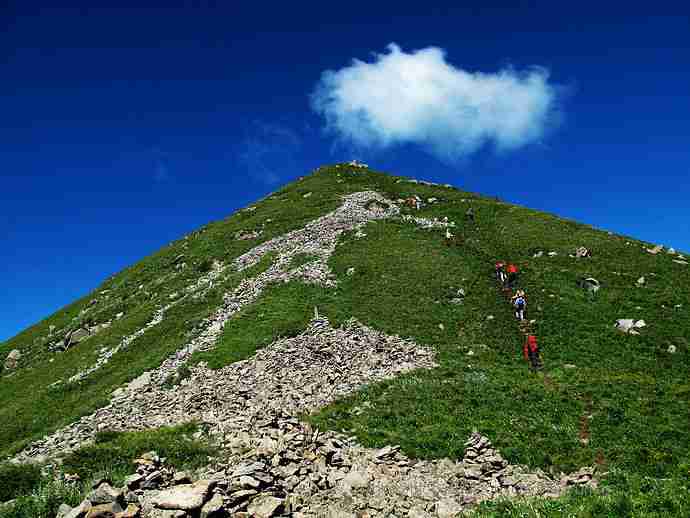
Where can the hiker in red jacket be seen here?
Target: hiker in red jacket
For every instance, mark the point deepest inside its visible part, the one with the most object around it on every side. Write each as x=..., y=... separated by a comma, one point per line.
x=512, y=275
x=531, y=352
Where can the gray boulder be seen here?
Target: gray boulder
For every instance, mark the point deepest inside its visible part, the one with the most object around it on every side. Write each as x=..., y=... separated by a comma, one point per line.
x=629, y=325
x=187, y=497
x=105, y=494
x=140, y=382
x=63, y=511
x=264, y=506
x=111, y=510
x=12, y=359
x=78, y=336
x=79, y=511
x=213, y=507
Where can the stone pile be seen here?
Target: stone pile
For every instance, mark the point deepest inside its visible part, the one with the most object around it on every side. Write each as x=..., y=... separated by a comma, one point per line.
x=428, y=224
x=629, y=325
x=287, y=468
x=244, y=236
x=104, y=501
x=487, y=470
x=582, y=252
x=297, y=374
x=357, y=163
x=12, y=359
x=76, y=336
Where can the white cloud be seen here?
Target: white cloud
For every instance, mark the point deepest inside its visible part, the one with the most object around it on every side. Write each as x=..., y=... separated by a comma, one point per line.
x=420, y=98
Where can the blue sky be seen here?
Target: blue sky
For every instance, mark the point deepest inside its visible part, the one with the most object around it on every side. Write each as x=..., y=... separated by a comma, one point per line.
x=123, y=129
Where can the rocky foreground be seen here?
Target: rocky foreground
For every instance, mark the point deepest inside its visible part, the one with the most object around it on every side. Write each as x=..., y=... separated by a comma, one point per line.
x=292, y=470
x=275, y=465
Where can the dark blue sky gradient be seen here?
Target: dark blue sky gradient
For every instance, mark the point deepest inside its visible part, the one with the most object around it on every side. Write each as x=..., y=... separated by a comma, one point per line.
x=123, y=129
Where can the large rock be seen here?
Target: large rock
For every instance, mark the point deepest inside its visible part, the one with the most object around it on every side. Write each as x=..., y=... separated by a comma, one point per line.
x=140, y=382
x=355, y=479
x=112, y=510
x=78, y=336
x=133, y=481
x=132, y=511
x=213, y=507
x=105, y=494
x=162, y=513
x=12, y=359
x=187, y=497
x=79, y=511
x=264, y=506
x=447, y=508
x=629, y=325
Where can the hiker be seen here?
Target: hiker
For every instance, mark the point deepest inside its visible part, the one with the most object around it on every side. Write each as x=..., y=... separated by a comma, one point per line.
x=449, y=238
x=501, y=272
x=469, y=215
x=583, y=252
x=520, y=303
x=512, y=271
x=531, y=352
x=590, y=285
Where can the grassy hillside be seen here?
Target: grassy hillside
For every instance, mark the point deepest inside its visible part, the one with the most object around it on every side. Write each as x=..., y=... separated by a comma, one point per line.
x=607, y=398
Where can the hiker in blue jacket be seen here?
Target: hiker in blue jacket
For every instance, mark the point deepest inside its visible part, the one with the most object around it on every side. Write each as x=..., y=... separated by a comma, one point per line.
x=520, y=304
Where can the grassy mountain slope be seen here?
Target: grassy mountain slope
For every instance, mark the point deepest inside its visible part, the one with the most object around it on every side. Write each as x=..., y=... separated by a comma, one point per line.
x=625, y=405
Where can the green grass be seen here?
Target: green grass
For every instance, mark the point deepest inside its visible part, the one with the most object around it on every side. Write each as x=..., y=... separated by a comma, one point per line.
x=43, y=501
x=623, y=496
x=17, y=480
x=284, y=311
x=109, y=457
x=633, y=394
x=301, y=259
x=112, y=453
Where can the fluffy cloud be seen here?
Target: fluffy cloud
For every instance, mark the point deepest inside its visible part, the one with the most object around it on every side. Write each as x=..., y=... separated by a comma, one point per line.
x=420, y=98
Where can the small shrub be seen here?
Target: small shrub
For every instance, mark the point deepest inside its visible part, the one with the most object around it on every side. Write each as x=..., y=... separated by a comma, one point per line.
x=301, y=259
x=18, y=479
x=44, y=501
x=204, y=266
x=113, y=452
x=183, y=372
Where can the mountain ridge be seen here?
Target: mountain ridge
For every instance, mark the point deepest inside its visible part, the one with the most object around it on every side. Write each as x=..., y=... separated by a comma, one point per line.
x=372, y=265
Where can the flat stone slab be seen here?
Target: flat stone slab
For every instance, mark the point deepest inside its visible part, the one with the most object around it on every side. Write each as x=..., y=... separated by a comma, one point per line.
x=186, y=497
